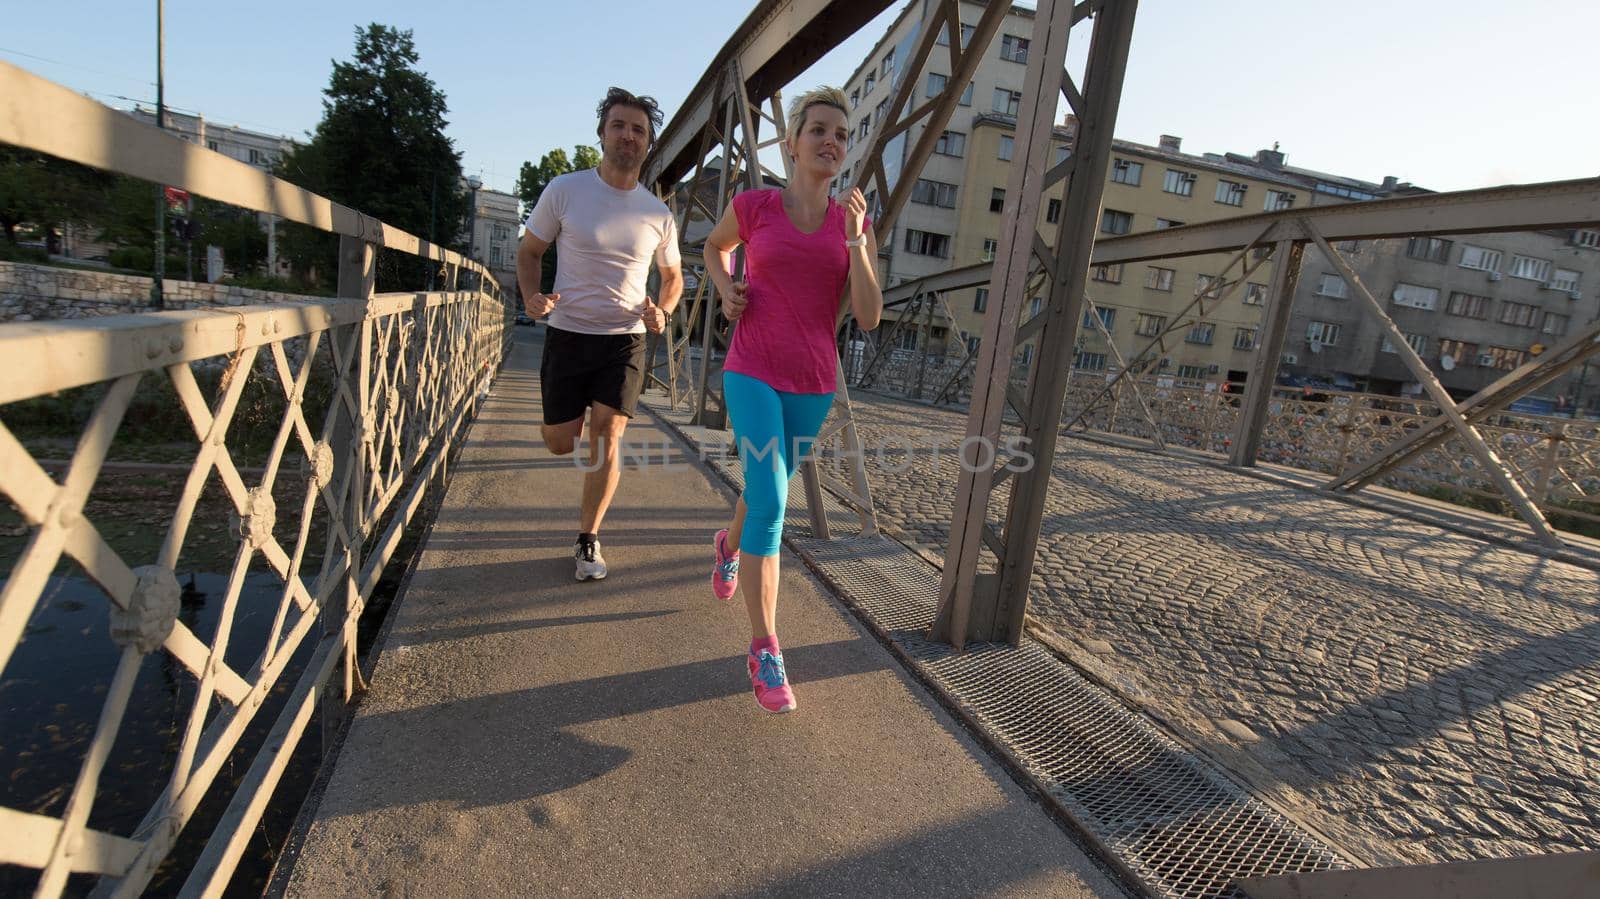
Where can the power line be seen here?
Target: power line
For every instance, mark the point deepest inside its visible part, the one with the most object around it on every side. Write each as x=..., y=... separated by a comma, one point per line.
x=72, y=65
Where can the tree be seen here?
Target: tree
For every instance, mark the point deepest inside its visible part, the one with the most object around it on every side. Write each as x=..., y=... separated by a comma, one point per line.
x=47, y=193
x=380, y=149
x=533, y=179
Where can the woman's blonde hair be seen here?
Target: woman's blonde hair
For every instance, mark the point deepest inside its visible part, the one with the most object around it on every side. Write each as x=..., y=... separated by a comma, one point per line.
x=822, y=96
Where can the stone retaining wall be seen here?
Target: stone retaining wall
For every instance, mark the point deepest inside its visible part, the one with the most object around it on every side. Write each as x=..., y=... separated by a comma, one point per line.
x=41, y=292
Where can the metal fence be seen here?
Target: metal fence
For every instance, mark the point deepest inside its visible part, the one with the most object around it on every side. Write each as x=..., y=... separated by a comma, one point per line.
x=368, y=393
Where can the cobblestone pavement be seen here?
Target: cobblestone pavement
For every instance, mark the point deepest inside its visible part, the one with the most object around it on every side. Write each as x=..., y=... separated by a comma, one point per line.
x=1437, y=694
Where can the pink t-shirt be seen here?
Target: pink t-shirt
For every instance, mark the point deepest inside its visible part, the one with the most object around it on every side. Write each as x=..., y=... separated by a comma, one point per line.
x=785, y=338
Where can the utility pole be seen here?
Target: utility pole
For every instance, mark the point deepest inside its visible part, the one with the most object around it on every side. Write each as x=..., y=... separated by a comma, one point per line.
x=156, y=298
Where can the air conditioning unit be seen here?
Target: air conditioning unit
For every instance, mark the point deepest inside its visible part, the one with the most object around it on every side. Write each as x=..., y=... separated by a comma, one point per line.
x=1495, y=276
x=1575, y=295
x=1485, y=359
x=1291, y=359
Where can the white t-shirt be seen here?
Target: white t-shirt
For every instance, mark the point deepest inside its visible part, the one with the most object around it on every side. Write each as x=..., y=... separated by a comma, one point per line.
x=605, y=240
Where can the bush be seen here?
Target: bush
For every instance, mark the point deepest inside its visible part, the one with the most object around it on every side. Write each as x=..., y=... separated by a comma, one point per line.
x=10, y=252
x=254, y=281
x=142, y=259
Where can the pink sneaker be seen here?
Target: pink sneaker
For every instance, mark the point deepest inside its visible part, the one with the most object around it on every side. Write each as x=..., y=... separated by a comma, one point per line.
x=770, y=682
x=725, y=570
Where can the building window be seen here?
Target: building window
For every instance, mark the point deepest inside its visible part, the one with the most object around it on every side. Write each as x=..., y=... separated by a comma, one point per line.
x=1480, y=258
x=1230, y=193
x=1107, y=316
x=907, y=340
x=1332, y=285
x=1202, y=283
x=1324, y=333
x=1279, y=200
x=1180, y=183
x=1556, y=325
x=1149, y=325
x=881, y=113
x=211, y=145
x=1431, y=249
x=1034, y=305
x=966, y=35
x=1521, y=315
x=1109, y=274
x=1416, y=296
x=1340, y=190
x=1255, y=294
x=1014, y=48
x=1502, y=357
x=1419, y=343
x=1006, y=102
x=936, y=83
x=1089, y=361
x=1201, y=333
x=966, y=96
x=257, y=157
x=861, y=130
x=497, y=254
x=1007, y=147
x=1244, y=338
x=951, y=143
x=927, y=243
x=1052, y=211
x=1159, y=278
x=1586, y=238
x=1530, y=268
x=973, y=342
x=855, y=97
x=980, y=300
x=1114, y=222
x=1461, y=351
x=888, y=62
x=1125, y=172
x=1062, y=152
x=990, y=247
x=934, y=193
x=872, y=79
x=997, y=199
x=1467, y=305
x=1565, y=280
x=1192, y=372
x=1163, y=224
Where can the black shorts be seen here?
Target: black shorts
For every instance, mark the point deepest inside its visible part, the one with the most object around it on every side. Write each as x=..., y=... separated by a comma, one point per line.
x=581, y=369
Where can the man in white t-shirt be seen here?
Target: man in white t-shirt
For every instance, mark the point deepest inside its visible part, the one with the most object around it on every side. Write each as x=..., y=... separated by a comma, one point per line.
x=607, y=229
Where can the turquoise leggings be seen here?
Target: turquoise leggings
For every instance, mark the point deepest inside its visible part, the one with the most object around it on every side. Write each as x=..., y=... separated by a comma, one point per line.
x=773, y=431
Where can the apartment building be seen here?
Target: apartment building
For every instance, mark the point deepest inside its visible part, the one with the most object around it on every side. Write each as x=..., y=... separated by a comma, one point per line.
x=1473, y=307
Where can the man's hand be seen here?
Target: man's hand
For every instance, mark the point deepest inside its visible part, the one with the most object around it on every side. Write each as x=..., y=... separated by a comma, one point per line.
x=540, y=304
x=655, y=319
x=855, y=214
x=733, y=303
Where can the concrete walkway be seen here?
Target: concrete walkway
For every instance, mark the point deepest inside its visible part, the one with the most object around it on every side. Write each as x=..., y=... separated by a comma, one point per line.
x=527, y=735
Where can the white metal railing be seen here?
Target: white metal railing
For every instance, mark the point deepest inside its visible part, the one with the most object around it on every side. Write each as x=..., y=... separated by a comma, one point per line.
x=401, y=373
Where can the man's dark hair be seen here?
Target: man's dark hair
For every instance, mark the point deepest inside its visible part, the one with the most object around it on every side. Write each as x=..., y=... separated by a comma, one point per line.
x=616, y=96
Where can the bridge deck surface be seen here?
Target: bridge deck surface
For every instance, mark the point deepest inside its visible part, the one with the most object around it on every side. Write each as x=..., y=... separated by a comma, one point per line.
x=525, y=734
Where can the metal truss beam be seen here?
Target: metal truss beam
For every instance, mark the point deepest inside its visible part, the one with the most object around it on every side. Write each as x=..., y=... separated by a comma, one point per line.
x=1486, y=456
x=1528, y=207
x=990, y=605
x=1527, y=378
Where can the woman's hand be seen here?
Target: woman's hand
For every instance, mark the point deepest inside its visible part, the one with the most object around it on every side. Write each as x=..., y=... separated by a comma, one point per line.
x=733, y=303
x=855, y=214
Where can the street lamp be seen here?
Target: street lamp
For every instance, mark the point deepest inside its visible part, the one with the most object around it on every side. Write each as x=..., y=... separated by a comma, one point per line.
x=474, y=182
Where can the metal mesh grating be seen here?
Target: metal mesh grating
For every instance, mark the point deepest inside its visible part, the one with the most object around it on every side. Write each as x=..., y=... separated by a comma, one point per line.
x=1182, y=828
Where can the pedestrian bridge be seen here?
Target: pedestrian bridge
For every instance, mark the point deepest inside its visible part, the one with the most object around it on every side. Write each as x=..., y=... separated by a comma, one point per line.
x=1155, y=663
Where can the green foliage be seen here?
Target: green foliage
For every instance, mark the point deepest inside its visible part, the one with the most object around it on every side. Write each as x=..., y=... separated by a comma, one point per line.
x=12, y=253
x=381, y=149
x=533, y=179
x=47, y=192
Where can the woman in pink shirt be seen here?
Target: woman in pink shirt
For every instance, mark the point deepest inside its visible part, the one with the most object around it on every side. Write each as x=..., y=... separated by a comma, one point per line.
x=803, y=251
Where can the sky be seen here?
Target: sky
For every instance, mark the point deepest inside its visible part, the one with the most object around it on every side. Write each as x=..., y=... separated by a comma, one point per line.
x=1446, y=95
